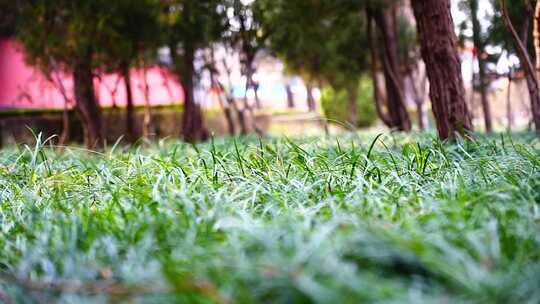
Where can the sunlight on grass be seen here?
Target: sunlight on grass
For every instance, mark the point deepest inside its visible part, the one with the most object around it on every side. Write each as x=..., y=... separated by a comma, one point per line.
x=348, y=219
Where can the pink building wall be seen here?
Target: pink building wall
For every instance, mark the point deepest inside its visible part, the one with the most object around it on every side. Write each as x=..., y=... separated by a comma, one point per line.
x=23, y=86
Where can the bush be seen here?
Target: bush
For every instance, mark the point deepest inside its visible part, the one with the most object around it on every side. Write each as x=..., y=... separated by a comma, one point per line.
x=335, y=104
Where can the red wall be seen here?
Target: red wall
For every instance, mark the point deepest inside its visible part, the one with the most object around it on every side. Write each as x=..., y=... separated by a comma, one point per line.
x=22, y=86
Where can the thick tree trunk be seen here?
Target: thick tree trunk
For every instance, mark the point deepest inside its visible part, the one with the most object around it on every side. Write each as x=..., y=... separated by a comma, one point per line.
x=479, y=45
x=290, y=96
x=130, y=113
x=393, y=76
x=530, y=73
x=352, y=92
x=87, y=106
x=193, y=126
x=312, y=106
x=439, y=50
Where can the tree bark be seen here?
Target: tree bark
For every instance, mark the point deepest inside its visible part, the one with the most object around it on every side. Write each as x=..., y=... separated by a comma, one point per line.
x=193, y=127
x=87, y=107
x=130, y=114
x=479, y=45
x=393, y=76
x=530, y=75
x=438, y=43
x=312, y=107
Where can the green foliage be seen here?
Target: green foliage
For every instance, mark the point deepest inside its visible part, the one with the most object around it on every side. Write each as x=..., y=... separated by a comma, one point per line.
x=190, y=25
x=322, y=220
x=335, y=103
x=135, y=33
x=68, y=32
x=334, y=51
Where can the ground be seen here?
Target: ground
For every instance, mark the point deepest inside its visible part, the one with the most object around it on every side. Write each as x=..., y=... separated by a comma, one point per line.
x=349, y=219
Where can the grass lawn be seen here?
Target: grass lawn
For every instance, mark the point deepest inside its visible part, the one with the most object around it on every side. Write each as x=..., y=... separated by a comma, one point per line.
x=349, y=219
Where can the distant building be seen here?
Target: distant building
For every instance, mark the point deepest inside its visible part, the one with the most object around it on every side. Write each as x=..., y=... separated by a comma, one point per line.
x=24, y=86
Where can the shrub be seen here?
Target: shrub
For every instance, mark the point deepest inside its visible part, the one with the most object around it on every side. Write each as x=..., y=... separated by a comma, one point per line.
x=335, y=104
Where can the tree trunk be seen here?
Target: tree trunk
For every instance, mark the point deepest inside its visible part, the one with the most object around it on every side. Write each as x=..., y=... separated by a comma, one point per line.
x=87, y=106
x=242, y=120
x=290, y=96
x=130, y=114
x=255, y=86
x=509, y=113
x=352, y=92
x=193, y=126
x=438, y=43
x=64, y=136
x=418, y=100
x=526, y=61
x=393, y=78
x=147, y=128
x=536, y=36
x=479, y=45
x=377, y=95
x=310, y=99
x=229, y=116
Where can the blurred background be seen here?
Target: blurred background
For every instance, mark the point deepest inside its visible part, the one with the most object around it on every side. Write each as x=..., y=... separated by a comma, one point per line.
x=190, y=68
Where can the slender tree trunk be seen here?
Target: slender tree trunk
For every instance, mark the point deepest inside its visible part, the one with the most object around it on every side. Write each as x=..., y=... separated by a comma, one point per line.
x=393, y=76
x=228, y=116
x=87, y=107
x=290, y=96
x=509, y=113
x=375, y=79
x=232, y=102
x=64, y=136
x=193, y=126
x=479, y=45
x=147, y=119
x=418, y=100
x=241, y=118
x=130, y=113
x=439, y=50
x=255, y=86
x=57, y=80
x=530, y=73
x=310, y=99
x=536, y=36
x=249, y=108
x=352, y=92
